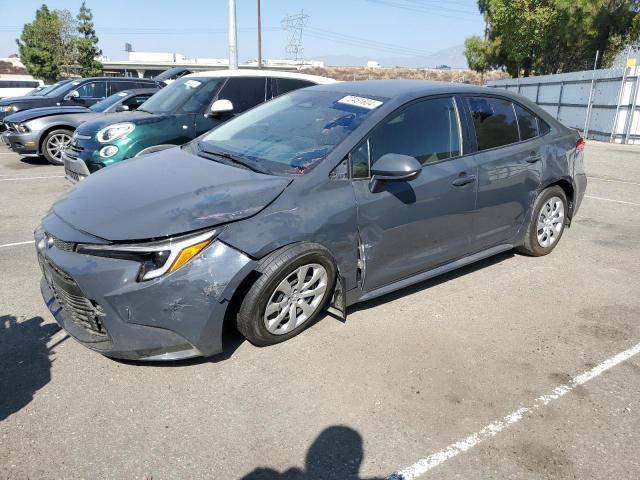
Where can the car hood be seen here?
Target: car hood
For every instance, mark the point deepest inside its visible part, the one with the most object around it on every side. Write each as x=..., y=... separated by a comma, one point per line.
x=164, y=194
x=26, y=115
x=29, y=102
x=137, y=117
x=8, y=100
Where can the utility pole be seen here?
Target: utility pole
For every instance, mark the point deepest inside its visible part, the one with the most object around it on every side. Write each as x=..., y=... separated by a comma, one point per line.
x=233, y=37
x=259, y=37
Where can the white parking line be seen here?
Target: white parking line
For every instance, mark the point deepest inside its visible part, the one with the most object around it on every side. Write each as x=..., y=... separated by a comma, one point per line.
x=17, y=243
x=612, y=180
x=614, y=201
x=29, y=178
x=424, y=465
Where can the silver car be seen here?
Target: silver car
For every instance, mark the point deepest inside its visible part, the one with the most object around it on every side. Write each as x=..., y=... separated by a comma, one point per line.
x=47, y=131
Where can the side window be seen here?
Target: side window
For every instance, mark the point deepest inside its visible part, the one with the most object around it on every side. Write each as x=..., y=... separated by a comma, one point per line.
x=527, y=123
x=543, y=126
x=201, y=99
x=244, y=93
x=119, y=86
x=283, y=85
x=360, y=161
x=136, y=101
x=428, y=130
x=494, y=121
x=93, y=90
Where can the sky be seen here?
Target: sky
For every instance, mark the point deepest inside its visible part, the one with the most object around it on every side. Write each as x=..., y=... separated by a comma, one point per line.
x=198, y=28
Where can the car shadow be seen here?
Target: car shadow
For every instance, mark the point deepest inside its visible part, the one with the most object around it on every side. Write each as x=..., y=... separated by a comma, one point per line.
x=432, y=282
x=36, y=161
x=335, y=454
x=24, y=359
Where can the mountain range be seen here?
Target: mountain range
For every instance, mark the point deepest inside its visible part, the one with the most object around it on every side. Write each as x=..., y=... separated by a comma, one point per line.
x=453, y=57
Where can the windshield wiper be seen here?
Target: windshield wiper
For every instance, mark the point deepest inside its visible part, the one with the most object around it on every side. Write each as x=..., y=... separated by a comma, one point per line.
x=217, y=155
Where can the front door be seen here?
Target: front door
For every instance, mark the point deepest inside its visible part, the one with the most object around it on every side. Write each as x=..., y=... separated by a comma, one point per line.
x=413, y=226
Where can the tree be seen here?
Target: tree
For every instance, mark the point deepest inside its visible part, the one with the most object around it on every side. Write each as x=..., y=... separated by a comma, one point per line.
x=68, y=52
x=39, y=45
x=87, y=44
x=477, y=52
x=550, y=36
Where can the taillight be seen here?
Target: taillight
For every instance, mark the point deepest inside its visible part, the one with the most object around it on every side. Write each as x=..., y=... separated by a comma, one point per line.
x=580, y=144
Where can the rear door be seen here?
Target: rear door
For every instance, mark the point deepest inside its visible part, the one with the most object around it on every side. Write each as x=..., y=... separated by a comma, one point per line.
x=509, y=161
x=412, y=226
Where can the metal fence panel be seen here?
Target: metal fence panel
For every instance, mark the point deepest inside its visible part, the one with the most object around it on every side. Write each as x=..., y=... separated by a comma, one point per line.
x=597, y=102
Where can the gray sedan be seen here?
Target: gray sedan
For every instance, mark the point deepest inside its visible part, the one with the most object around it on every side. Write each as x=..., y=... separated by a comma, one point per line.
x=47, y=131
x=324, y=197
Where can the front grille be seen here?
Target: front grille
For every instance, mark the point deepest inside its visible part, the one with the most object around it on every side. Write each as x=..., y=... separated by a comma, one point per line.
x=71, y=175
x=84, y=312
x=63, y=245
x=74, y=150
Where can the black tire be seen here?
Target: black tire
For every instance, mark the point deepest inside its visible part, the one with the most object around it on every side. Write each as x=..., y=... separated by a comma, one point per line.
x=272, y=270
x=50, y=137
x=531, y=246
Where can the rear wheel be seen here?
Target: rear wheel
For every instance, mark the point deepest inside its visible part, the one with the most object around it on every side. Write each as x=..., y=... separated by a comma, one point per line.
x=547, y=222
x=294, y=286
x=54, y=145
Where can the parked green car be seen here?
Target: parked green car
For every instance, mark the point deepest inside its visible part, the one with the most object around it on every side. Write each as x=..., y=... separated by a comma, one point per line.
x=187, y=108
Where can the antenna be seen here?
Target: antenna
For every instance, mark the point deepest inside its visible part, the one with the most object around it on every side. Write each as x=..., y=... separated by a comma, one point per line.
x=294, y=24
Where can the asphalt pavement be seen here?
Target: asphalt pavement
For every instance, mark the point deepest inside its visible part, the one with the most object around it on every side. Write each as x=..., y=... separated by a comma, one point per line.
x=514, y=367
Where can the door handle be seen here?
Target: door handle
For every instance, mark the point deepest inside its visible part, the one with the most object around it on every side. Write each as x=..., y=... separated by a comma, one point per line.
x=459, y=182
x=534, y=158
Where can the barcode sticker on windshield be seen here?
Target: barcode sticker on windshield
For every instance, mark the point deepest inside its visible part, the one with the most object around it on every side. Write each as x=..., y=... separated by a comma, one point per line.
x=363, y=102
x=192, y=83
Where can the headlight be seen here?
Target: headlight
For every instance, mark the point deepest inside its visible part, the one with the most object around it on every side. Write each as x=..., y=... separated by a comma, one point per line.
x=117, y=130
x=108, y=151
x=21, y=128
x=9, y=108
x=156, y=258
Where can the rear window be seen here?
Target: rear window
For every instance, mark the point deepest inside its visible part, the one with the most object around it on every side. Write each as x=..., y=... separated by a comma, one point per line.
x=495, y=122
x=281, y=86
x=527, y=122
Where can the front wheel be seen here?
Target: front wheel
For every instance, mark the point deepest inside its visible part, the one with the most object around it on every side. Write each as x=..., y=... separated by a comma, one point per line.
x=547, y=222
x=54, y=145
x=294, y=285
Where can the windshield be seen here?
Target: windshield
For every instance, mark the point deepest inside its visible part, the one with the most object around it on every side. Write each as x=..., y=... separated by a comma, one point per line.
x=103, y=105
x=171, y=98
x=62, y=88
x=291, y=133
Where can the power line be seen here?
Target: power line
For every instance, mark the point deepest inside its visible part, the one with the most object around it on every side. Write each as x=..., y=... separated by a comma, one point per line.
x=365, y=42
x=431, y=9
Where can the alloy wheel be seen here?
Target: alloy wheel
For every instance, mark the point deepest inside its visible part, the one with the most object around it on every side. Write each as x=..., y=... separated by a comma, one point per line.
x=296, y=299
x=57, y=144
x=550, y=222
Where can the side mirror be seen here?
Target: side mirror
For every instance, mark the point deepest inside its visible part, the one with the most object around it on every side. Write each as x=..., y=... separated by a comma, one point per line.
x=72, y=95
x=122, y=108
x=393, y=167
x=221, y=107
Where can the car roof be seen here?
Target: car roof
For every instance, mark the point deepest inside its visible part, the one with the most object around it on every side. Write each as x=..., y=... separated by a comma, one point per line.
x=126, y=79
x=249, y=72
x=138, y=91
x=402, y=88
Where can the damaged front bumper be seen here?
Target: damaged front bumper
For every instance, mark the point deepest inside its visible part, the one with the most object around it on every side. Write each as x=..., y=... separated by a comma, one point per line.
x=100, y=303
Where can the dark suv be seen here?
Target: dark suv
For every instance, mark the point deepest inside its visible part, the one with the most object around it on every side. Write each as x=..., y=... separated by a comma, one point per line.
x=83, y=91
